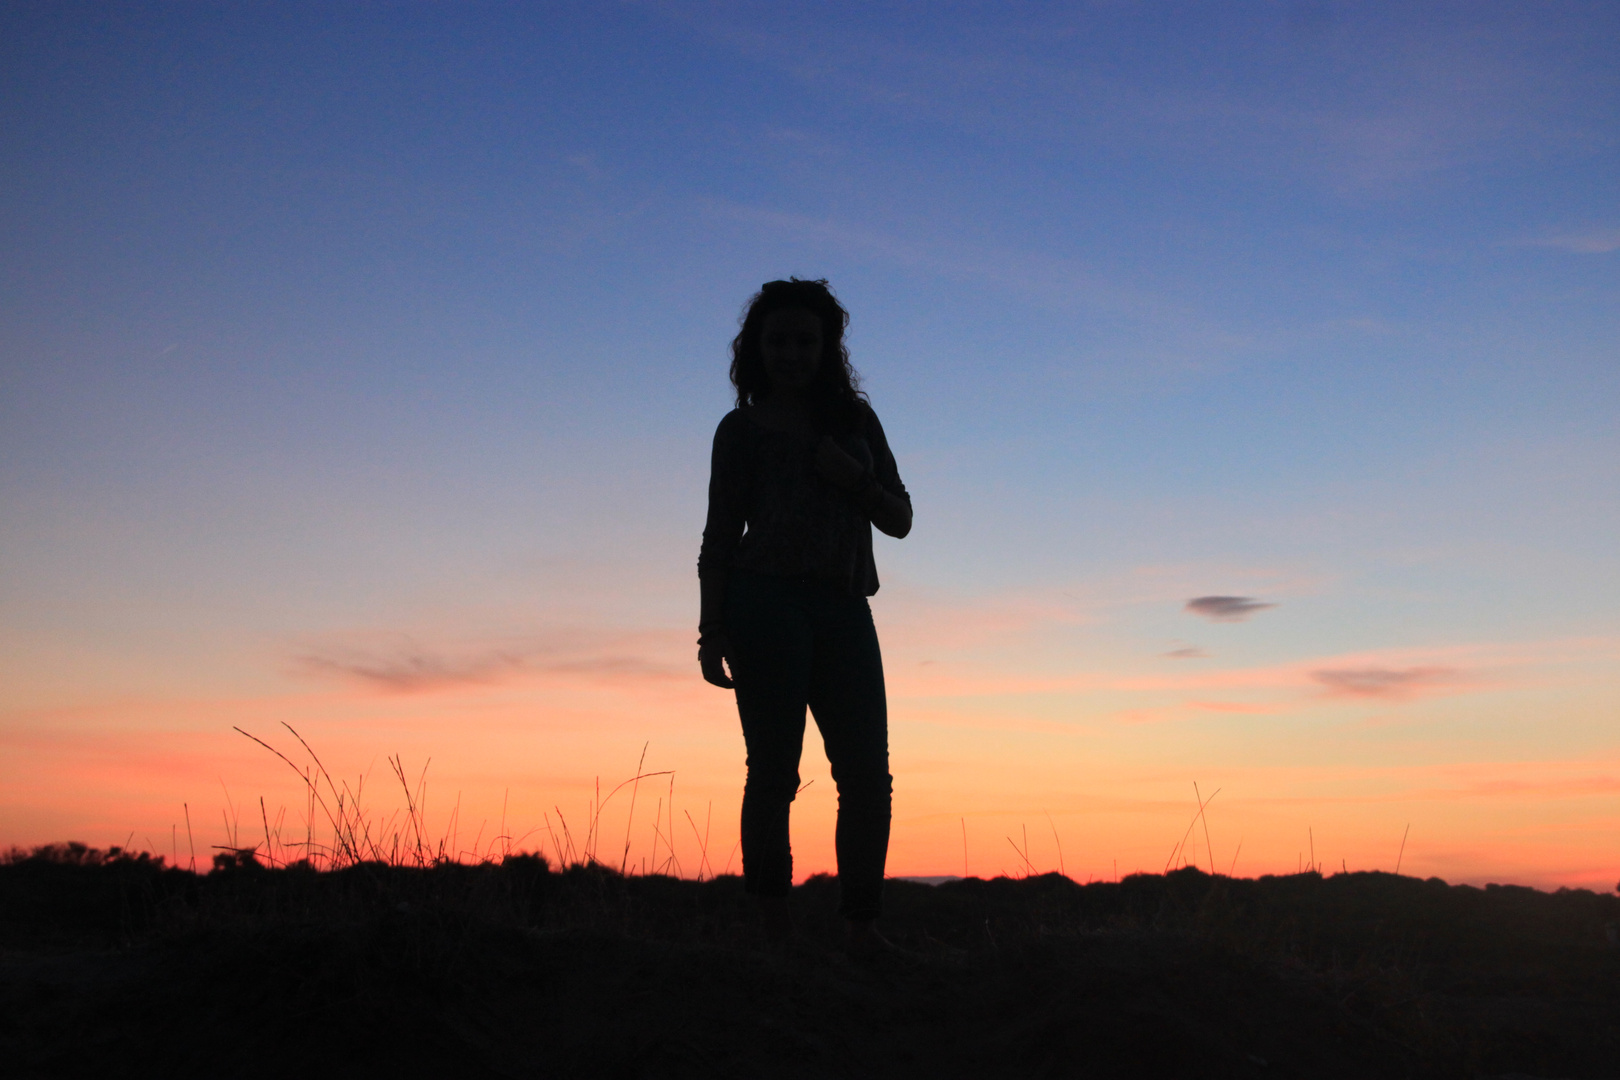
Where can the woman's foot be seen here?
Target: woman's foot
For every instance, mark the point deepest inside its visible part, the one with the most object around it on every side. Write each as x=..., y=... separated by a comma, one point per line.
x=865, y=943
x=775, y=918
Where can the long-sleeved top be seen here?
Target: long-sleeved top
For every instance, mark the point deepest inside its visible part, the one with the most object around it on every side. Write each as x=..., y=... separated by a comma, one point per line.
x=797, y=523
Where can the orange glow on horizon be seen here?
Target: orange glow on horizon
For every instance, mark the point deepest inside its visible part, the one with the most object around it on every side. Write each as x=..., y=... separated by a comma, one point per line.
x=1095, y=797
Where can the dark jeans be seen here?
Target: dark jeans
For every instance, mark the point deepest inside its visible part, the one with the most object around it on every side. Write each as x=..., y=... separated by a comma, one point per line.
x=799, y=643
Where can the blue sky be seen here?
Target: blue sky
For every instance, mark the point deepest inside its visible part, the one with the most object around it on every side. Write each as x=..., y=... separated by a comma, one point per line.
x=327, y=328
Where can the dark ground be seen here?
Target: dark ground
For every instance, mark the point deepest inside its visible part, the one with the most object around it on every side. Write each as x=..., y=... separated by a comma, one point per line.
x=117, y=966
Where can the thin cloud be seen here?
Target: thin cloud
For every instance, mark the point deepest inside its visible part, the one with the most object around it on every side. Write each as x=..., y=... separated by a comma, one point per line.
x=407, y=668
x=928, y=622
x=1382, y=682
x=1585, y=242
x=587, y=164
x=1189, y=653
x=1032, y=274
x=1426, y=95
x=1226, y=608
x=1244, y=707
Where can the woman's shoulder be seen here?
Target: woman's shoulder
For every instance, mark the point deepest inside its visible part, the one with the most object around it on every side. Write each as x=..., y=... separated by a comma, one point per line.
x=866, y=420
x=731, y=423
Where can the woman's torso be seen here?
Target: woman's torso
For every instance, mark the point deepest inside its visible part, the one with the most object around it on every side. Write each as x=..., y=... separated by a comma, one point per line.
x=795, y=522
x=799, y=524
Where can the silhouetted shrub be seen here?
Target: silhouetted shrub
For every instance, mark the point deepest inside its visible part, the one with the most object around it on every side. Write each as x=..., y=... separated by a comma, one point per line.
x=455, y=968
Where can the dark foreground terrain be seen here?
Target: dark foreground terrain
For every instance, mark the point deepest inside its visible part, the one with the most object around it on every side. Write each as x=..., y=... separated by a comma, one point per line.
x=112, y=965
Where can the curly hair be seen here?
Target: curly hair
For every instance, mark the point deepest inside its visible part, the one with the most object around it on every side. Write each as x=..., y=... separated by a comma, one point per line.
x=836, y=390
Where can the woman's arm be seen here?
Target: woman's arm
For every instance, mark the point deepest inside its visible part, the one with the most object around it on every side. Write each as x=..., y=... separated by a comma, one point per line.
x=712, y=613
x=891, y=513
x=714, y=644
x=878, y=492
x=721, y=533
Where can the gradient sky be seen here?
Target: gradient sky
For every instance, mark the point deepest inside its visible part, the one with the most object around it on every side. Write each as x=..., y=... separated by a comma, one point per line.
x=358, y=366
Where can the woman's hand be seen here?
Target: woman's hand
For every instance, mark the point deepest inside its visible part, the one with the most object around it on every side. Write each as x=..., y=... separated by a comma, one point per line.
x=716, y=648
x=837, y=467
x=891, y=514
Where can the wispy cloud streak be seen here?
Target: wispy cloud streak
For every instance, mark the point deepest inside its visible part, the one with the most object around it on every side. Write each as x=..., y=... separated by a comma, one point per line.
x=1580, y=242
x=405, y=667
x=1384, y=682
x=1035, y=275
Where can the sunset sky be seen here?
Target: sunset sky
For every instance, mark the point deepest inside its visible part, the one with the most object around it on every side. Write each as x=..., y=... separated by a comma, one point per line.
x=359, y=363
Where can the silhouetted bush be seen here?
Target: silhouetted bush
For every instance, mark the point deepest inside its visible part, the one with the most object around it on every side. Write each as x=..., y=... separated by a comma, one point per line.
x=515, y=968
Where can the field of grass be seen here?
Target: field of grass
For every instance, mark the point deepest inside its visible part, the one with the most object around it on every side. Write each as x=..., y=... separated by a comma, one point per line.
x=115, y=964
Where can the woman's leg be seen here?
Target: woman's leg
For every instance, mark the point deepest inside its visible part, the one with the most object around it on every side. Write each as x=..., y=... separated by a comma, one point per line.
x=771, y=639
x=847, y=697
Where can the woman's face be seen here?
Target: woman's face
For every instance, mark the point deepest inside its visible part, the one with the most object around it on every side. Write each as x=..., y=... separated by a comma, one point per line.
x=790, y=345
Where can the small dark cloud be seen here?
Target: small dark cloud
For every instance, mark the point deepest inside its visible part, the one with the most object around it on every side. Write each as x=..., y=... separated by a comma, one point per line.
x=1226, y=608
x=1189, y=653
x=1378, y=682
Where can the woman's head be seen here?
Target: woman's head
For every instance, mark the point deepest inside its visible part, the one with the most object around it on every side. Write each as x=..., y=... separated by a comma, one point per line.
x=778, y=312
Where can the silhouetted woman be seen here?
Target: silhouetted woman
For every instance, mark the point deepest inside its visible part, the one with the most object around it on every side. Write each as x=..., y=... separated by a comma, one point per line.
x=800, y=474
